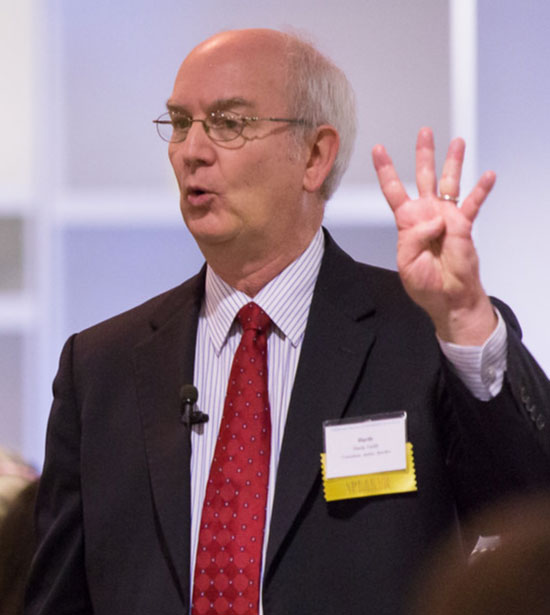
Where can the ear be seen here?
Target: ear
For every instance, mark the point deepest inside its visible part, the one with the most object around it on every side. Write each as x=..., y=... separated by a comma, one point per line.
x=323, y=148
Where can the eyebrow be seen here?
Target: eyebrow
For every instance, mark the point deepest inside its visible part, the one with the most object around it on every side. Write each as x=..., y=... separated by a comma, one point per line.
x=220, y=104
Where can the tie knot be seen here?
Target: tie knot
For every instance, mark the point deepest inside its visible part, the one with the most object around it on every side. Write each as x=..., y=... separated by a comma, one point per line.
x=251, y=316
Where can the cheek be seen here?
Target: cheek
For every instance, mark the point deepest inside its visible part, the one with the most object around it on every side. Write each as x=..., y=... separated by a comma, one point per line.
x=262, y=174
x=246, y=175
x=276, y=171
x=172, y=157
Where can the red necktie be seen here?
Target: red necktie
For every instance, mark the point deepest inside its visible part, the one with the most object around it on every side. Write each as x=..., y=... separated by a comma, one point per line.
x=229, y=552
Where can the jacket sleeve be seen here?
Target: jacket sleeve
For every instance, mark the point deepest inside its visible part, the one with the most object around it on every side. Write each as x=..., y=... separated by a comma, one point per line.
x=499, y=448
x=57, y=582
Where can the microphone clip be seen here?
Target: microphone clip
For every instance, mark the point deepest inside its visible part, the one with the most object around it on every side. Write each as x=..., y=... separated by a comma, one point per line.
x=189, y=413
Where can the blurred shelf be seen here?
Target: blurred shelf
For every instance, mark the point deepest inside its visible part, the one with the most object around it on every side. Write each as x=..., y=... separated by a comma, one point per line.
x=17, y=313
x=117, y=208
x=360, y=205
x=351, y=205
x=15, y=201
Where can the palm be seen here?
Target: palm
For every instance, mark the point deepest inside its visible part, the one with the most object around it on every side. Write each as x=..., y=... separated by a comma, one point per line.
x=440, y=262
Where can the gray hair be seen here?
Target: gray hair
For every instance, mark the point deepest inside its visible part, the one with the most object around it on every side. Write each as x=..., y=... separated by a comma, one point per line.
x=320, y=93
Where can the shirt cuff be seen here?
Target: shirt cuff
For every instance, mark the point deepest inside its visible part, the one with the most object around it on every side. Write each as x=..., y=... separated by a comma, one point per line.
x=481, y=368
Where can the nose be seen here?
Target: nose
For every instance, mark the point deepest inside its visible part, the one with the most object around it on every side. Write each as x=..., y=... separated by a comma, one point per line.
x=196, y=150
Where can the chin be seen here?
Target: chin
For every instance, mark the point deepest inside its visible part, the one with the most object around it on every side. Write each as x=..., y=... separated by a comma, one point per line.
x=209, y=234
x=211, y=228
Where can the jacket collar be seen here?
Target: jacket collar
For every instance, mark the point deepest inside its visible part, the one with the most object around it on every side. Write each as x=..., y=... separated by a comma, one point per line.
x=339, y=335
x=163, y=362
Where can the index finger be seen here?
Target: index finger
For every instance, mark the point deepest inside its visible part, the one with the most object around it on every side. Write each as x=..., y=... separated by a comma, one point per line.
x=389, y=181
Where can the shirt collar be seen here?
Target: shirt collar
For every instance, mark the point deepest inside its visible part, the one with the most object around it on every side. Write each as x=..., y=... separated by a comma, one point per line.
x=286, y=298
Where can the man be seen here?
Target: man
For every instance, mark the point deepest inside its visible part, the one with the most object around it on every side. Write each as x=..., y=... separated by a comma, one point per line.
x=139, y=513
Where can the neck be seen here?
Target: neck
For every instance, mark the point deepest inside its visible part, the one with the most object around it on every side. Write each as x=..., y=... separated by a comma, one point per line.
x=248, y=271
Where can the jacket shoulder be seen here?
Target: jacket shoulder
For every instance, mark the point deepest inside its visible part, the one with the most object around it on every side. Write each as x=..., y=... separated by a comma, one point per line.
x=131, y=326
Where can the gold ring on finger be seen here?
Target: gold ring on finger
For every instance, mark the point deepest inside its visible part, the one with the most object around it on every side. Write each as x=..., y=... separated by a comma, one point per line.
x=448, y=197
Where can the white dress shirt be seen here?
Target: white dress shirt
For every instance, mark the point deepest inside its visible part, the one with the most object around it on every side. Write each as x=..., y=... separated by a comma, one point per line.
x=286, y=300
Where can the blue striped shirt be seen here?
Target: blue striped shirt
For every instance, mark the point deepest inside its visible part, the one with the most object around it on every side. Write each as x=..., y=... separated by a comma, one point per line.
x=218, y=336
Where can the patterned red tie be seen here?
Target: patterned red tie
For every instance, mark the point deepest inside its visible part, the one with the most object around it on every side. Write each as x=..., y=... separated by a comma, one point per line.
x=229, y=552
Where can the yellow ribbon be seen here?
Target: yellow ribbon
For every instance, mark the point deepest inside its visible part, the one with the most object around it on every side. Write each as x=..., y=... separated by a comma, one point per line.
x=380, y=483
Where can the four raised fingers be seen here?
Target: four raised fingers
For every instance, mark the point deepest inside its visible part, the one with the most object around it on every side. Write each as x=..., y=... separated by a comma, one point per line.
x=449, y=183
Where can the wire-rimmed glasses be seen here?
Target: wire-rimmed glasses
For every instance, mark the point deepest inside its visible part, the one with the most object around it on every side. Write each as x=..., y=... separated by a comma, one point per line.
x=219, y=125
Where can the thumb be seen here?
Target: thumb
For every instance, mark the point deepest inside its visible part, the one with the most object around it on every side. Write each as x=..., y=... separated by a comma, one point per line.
x=421, y=235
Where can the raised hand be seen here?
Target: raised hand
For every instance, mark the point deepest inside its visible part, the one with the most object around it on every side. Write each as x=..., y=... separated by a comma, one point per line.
x=436, y=256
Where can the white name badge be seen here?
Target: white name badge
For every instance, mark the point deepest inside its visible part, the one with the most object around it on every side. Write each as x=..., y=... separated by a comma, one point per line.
x=366, y=445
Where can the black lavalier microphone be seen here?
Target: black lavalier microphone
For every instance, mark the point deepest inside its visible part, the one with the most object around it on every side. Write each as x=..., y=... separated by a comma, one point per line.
x=189, y=414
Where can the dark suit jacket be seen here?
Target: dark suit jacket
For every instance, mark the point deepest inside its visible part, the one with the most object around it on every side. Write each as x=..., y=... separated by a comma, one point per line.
x=114, y=505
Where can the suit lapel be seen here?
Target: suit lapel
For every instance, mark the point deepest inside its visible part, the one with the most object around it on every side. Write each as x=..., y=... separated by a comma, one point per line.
x=338, y=337
x=163, y=363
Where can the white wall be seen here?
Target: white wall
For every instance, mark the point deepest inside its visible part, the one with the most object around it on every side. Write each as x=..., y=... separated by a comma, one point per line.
x=514, y=140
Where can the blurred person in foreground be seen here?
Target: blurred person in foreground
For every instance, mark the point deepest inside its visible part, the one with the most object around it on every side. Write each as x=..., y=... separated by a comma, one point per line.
x=146, y=508
x=507, y=577
x=18, y=486
x=17, y=545
x=15, y=475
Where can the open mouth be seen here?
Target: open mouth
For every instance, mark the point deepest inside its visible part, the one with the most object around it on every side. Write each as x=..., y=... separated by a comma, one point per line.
x=198, y=196
x=195, y=192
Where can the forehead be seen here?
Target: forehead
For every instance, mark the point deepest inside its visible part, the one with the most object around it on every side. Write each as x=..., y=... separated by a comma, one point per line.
x=233, y=67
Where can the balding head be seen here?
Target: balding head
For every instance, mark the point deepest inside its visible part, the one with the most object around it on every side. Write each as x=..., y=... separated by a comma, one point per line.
x=315, y=89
